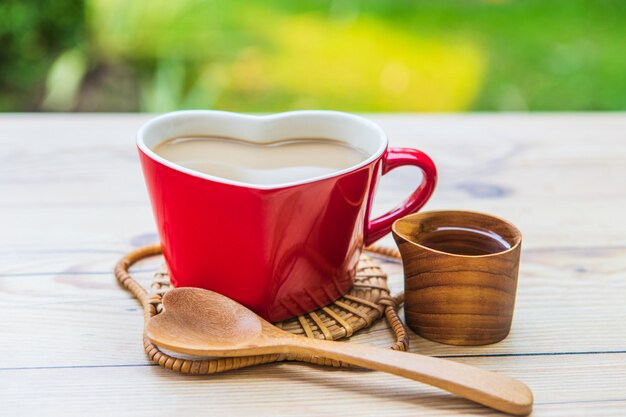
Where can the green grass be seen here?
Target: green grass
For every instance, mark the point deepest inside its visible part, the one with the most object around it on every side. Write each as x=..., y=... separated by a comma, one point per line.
x=355, y=55
x=542, y=55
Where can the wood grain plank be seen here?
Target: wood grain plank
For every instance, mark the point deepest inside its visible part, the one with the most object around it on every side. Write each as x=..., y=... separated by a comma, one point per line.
x=575, y=385
x=528, y=169
x=73, y=200
x=563, y=296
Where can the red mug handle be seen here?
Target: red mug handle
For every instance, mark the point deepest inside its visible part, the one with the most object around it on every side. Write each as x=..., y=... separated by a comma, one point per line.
x=395, y=158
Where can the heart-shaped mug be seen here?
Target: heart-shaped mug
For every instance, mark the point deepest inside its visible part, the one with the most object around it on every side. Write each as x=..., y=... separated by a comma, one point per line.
x=279, y=249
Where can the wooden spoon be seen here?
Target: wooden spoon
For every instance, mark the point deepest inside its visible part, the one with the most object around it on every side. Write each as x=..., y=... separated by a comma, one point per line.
x=205, y=323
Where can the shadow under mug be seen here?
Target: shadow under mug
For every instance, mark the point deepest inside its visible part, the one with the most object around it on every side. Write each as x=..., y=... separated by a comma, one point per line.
x=460, y=275
x=279, y=249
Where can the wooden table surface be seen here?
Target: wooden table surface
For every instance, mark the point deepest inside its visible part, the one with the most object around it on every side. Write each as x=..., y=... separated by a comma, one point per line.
x=73, y=202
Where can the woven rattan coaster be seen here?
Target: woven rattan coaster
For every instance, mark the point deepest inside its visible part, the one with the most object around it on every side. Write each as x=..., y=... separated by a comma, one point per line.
x=367, y=301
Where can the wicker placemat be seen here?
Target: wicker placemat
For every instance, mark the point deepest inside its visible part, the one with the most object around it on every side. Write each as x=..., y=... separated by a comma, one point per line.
x=367, y=301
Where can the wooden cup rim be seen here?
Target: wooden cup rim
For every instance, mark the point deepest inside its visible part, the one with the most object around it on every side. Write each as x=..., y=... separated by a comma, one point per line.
x=514, y=242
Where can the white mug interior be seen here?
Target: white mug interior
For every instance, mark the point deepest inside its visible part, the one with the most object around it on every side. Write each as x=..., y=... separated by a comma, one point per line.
x=348, y=128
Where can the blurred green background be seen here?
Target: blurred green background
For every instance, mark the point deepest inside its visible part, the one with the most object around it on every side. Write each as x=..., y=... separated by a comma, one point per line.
x=265, y=56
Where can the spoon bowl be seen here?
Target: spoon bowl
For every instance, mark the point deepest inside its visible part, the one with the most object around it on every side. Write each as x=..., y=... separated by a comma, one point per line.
x=205, y=322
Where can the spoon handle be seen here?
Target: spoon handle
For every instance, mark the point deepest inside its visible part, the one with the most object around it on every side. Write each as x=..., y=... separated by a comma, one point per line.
x=487, y=388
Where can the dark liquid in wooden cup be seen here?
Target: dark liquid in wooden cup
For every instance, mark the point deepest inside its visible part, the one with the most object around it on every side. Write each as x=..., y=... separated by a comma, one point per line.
x=463, y=241
x=460, y=272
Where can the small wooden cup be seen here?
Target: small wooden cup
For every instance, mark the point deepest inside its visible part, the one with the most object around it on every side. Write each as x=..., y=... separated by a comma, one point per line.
x=460, y=275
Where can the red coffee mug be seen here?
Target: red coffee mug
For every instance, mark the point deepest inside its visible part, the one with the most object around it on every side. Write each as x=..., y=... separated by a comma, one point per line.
x=281, y=249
